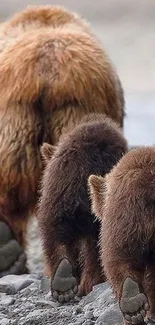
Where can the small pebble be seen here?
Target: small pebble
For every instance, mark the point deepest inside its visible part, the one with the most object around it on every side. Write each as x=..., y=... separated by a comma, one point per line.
x=78, y=310
x=48, y=296
x=46, y=303
x=66, y=314
x=22, y=319
x=5, y=321
x=89, y=315
x=23, y=299
x=16, y=310
x=88, y=322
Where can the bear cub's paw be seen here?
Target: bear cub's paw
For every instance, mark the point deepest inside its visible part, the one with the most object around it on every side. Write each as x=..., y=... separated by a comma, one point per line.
x=133, y=303
x=64, y=285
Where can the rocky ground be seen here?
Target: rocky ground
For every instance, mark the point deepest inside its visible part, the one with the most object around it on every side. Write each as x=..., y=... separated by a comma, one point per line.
x=26, y=300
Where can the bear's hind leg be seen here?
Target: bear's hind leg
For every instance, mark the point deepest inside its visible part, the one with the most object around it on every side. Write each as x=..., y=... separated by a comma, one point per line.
x=133, y=303
x=19, y=229
x=64, y=283
x=92, y=273
x=12, y=246
x=127, y=283
x=149, y=283
x=61, y=263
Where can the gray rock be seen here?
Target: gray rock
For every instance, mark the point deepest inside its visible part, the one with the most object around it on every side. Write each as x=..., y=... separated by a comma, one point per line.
x=88, y=322
x=45, y=303
x=5, y=321
x=101, y=294
x=45, y=284
x=78, y=310
x=11, y=284
x=6, y=300
x=16, y=310
x=65, y=314
x=7, y=288
x=110, y=316
x=22, y=319
x=89, y=314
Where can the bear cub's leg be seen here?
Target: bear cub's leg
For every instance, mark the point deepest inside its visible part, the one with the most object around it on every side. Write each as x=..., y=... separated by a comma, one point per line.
x=91, y=267
x=128, y=284
x=61, y=265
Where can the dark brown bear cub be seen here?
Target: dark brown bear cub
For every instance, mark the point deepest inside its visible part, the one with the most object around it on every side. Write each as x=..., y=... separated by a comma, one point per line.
x=68, y=228
x=125, y=199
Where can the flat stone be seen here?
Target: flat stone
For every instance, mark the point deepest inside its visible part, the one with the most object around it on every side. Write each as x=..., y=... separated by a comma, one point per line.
x=7, y=288
x=6, y=300
x=46, y=303
x=11, y=284
x=110, y=316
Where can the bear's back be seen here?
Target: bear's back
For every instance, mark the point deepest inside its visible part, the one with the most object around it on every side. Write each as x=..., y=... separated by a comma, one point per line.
x=92, y=148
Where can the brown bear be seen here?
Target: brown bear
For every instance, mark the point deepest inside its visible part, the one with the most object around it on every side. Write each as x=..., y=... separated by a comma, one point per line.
x=68, y=229
x=53, y=71
x=125, y=201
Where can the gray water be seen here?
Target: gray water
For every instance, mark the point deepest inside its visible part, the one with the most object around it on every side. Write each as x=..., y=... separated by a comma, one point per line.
x=126, y=29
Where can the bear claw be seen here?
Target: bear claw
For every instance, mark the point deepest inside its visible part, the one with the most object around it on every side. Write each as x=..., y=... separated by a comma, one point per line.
x=64, y=284
x=133, y=303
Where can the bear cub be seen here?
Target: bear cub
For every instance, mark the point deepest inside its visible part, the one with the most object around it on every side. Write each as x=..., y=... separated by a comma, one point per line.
x=125, y=200
x=68, y=229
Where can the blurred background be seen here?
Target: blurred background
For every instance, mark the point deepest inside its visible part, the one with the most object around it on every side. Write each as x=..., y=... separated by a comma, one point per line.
x=126, y=29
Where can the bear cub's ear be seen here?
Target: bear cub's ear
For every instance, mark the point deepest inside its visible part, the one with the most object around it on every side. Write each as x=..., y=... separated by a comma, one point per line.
x=47, y=151
x=96, y=186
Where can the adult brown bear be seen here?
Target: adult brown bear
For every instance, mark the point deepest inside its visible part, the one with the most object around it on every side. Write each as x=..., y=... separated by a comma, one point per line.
x=69, y=230
x=53, y=71
x=125, y=201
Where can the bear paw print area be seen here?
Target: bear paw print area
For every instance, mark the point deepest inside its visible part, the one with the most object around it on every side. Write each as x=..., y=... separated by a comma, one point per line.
x=133, y=303
x=64, y=285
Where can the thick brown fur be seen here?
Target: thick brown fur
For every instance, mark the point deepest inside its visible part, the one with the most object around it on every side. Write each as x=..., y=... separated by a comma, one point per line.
x=64, y=212
x=53, y=71
x=125, y=200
